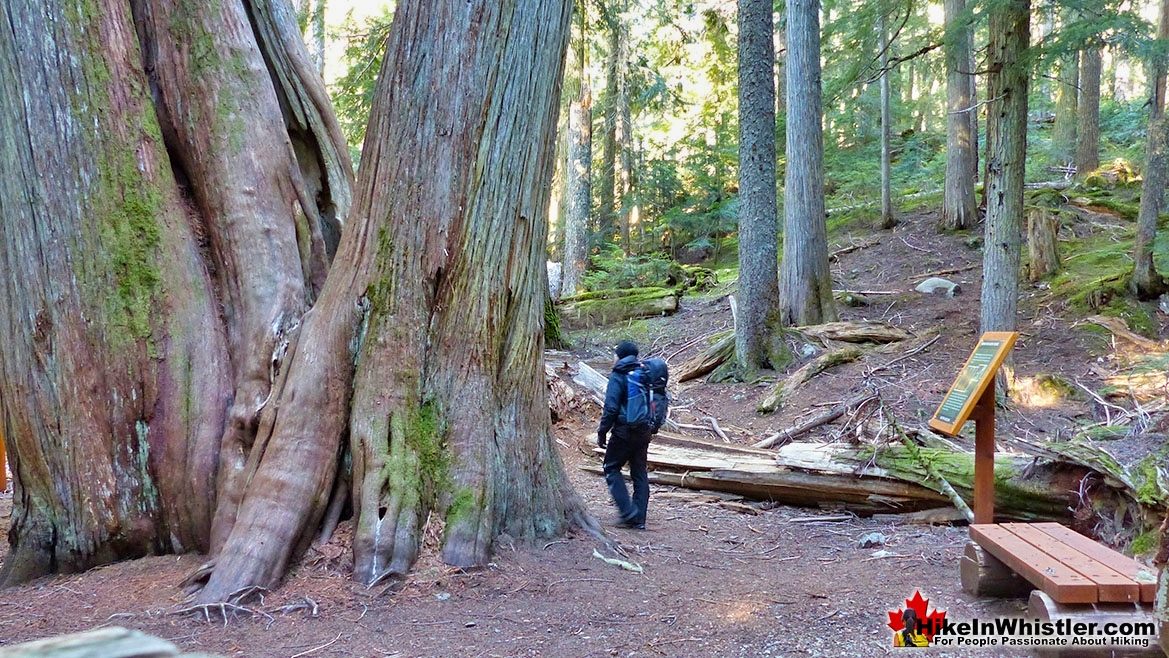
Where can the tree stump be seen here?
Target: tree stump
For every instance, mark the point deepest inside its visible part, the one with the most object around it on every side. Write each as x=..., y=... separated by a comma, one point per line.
x=985, y=575
x=1042, y=243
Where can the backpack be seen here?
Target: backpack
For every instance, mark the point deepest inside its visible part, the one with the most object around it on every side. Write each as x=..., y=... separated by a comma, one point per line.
x=658, y=375
x=635, y=412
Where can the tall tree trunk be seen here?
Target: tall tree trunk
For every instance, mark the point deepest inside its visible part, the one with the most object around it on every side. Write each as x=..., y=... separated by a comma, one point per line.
x=1006, y=136
x=1146, y=282
x=1088, y=112
x=318, y=52
x=580, y=163
x=606, y=212
x=780, y=72
x=625, y=151
x=758, y=341
x=805, y=281
x=959, y=210
x=1063, y=134
x=433, y=311
x=887, y=218
x=213, y=223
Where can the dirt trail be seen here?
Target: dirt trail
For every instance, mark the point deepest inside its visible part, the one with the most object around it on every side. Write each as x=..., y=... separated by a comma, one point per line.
x=716, y=582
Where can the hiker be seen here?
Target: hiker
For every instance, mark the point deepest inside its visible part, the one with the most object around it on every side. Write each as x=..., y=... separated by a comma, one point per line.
x=627, y=444
x=910, y=635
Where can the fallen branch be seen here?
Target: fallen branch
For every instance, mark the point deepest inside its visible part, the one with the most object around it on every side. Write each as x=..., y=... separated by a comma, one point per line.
x=851, y=248
x=781, y=392
x=908, y=354
x=717, y=430
x=624, y=564
x=911, y=447
x=786, y=435
x=949, y=270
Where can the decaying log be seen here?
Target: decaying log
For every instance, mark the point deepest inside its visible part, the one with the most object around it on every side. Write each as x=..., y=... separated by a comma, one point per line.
x=855, y=332
x=1042, y=243
x=1119, y=328
x=789, y=434
x=113, y=642
x=712, y=357
x=596, y=309
x=782, y=391
x=983, y=574
x=562, y=400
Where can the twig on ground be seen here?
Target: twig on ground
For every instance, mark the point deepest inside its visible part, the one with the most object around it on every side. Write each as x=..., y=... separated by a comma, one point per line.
x=717, y=430
x=327, y=644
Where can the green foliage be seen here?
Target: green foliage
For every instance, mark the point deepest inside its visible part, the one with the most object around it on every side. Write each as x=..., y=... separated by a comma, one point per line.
x=353, y=92
x=611, y=270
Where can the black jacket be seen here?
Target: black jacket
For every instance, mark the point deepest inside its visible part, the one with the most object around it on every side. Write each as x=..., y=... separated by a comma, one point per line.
x=615, y=394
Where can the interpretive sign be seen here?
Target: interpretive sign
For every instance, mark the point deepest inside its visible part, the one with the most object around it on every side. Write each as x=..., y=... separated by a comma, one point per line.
x=972, y=381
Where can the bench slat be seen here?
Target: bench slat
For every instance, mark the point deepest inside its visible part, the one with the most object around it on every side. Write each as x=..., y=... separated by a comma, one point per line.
x=1118, y=562
x=1114, y=587
x=1045, y=572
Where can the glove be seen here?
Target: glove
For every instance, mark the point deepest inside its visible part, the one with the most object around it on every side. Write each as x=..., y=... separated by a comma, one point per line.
x=601, y=442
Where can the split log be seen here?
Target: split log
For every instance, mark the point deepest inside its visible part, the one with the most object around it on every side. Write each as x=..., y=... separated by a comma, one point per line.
x=1119, y=328
x=595, y=309
x=855, y=332
x=983, y=574
x=113, y=642
x=937, y=516
x=783, y=391
x=712, y=357
x=836, y=475
x=562, y=400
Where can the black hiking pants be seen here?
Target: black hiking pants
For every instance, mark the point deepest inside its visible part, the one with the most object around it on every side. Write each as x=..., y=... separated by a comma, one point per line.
x=628, y=447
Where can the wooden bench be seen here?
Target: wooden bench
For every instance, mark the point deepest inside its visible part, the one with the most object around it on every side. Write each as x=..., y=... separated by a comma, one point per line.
x=1065, y=565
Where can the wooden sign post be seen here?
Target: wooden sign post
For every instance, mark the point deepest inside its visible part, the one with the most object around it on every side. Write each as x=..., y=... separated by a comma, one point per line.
x=971, y=397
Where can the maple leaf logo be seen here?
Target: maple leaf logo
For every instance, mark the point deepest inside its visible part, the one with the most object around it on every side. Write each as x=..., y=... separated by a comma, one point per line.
x=928, y=622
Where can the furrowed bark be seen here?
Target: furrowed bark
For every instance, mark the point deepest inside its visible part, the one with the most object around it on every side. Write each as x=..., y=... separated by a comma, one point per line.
x=448, y=419
x=579, y=178
x=1006, y=149
x=959, y=209
x=758, y=341
x=112, y=410
x=1146, y=281
x=805, y=281
x=1088, y=111
x=268, y=191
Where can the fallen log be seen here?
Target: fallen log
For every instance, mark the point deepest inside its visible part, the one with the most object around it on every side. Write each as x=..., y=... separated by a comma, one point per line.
x=787, y=435
x=595, y=309
x=113, y=642
x=860, y=480
x=784, y=390
x=855, y=332
x=712, y=357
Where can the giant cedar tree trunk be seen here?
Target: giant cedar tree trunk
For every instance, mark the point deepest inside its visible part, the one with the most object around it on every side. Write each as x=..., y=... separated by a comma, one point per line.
x=606, y=213
x=805, y=282
x=1006, y=138
x=1063, y=133
x=959, y=209
x=1088, y=111
x=757, y=338
x=1146, y=282
x=579, y=179
x=434, y=311
x=171, y=231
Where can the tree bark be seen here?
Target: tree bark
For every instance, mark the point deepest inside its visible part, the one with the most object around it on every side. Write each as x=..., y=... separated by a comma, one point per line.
x=579, y=185
x=1042, y=243
x=144, y=335
x=433, y=311
x=1088, y=112
x=1147, y=282
x=805, y=281
x=606, y=213
x=624, y=199
x=1006, y=151
x=887, y=219
x=959, y=209
x=1063, y=136
x=758, y=343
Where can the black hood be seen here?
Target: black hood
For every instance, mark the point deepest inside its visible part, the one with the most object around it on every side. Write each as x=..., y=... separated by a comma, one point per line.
x=626, y=364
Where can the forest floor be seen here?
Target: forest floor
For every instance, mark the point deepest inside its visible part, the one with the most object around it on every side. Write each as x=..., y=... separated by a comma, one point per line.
x=718, y=580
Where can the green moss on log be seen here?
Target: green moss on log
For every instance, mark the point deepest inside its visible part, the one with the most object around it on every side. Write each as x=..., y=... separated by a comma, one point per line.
x=1015, y=496
x=610, y=306
x=617, y=294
